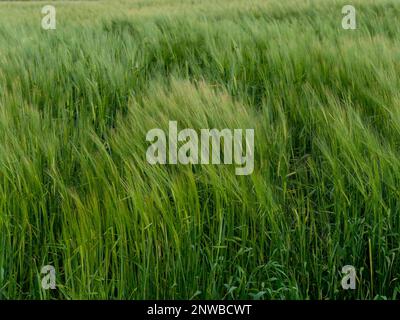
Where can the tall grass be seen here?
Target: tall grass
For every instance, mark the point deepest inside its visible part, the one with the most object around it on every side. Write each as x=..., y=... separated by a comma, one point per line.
x=76, y=191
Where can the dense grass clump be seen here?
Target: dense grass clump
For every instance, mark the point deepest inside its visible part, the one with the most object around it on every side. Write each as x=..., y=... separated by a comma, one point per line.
x=76, y=191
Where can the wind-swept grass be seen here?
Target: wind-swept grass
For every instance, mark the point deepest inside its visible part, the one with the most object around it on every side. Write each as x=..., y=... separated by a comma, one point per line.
x=76, y=191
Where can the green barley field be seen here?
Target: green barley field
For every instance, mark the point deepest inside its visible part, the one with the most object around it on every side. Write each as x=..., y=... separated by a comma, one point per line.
x=76, y=190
